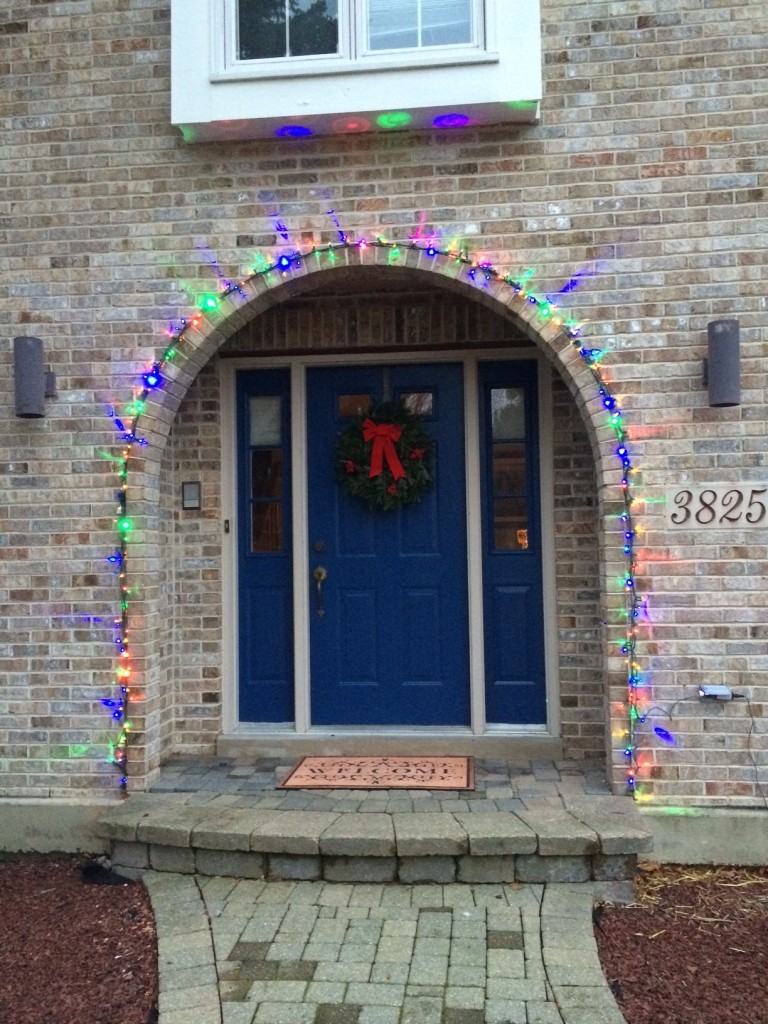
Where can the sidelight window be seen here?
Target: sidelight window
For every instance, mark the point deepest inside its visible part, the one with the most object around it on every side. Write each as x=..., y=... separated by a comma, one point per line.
x=509, y=484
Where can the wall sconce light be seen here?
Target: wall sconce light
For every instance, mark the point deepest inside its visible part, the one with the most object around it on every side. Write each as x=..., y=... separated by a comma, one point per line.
x=32, y=384
x=191, y=497
x=722, y=365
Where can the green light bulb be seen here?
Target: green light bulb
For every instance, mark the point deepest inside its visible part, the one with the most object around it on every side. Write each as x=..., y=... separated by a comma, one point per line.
x=394, y=119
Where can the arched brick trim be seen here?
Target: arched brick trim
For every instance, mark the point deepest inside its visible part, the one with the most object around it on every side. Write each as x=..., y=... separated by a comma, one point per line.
x=204, y=337
x=200, y=341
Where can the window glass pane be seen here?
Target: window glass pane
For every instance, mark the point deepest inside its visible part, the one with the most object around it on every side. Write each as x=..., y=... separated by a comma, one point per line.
x=508, y=469
x=265, y=420
x=268, y=29
x=262, y=29
x=266, y=527
x=445, y=22
x=393, y=24
x=507, y=413
x=313, y=27
x=397, y=24
x=267, y=473
x=421, y=403
x=510, y=524
x=354, y=405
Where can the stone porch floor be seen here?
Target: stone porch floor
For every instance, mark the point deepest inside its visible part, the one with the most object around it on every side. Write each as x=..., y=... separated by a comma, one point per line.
x=502, y=785
x=529, y=822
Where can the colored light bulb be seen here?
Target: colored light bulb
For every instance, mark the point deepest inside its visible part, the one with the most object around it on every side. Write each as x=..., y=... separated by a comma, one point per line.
x=394, y=119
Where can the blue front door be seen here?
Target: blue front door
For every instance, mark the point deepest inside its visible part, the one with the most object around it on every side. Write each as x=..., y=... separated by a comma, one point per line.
x=388, y=624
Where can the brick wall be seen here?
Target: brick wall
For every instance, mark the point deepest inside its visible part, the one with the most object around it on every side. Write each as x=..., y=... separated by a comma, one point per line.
x=647, y=171
x=577, y=583
x=195, y=454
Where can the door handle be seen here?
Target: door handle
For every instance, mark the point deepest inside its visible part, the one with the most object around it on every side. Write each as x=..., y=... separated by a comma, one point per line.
x=320, y=575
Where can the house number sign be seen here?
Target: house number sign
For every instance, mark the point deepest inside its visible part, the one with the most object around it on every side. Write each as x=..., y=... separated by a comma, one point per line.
x=718, y=506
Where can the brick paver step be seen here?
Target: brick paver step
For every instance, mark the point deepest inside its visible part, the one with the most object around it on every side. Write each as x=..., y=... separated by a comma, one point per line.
x=406, y=836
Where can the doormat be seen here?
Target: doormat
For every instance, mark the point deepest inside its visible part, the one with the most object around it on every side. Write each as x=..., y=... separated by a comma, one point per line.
x=382, y=773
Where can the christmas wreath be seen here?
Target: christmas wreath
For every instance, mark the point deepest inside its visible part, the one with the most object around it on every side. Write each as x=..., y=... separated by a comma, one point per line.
x=384, y=458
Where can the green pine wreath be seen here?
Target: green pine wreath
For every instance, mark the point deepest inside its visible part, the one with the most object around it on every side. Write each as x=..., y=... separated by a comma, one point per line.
x=413, y=450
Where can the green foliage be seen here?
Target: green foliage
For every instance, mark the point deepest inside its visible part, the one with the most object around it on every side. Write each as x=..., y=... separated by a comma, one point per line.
x=414, y=449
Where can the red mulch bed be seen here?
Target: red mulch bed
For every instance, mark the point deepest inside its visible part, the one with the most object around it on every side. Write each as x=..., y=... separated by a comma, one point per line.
x=76, y=946
x=692, y=949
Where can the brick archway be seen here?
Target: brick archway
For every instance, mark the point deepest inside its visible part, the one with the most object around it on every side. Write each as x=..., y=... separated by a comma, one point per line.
x=207, y=334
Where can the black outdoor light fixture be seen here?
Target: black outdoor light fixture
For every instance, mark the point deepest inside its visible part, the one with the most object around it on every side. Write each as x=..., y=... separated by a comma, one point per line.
x=32, y=383
x=722, y=366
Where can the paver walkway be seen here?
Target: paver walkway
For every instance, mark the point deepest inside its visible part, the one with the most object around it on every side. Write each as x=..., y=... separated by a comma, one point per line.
x=318, y=932
x=241, y=951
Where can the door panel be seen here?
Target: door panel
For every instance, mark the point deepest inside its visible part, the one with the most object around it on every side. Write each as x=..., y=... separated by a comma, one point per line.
x=421, y=635
x=391, y=647
x=511, y=622
x=265, y=603
x=513, y=600
x=356, y=611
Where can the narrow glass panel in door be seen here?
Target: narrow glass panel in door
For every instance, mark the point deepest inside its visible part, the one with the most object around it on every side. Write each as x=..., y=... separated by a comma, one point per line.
x=265, y=616
x=512, y=581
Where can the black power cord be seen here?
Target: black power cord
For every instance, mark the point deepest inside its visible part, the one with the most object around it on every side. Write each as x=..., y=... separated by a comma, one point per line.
x=761, y=786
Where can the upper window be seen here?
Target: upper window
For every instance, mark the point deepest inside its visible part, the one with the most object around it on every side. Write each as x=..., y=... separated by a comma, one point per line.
x=293, y=68
x=262, y=35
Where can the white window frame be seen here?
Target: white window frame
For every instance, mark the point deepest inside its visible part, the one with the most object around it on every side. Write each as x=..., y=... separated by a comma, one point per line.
x=354, y=54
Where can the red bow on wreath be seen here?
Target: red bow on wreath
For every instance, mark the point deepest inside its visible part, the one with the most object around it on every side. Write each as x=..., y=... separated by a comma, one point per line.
x=383, y=436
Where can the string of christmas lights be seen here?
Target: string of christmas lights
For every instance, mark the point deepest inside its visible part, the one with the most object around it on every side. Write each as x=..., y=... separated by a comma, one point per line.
x=633, y=600
x=481, y=273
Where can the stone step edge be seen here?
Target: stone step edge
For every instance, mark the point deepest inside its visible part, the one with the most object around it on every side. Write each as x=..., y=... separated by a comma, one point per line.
x=343, y=834
x=134, y=858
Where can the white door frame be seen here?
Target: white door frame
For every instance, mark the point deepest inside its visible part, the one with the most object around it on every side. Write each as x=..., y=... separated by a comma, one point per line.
x=298, y=366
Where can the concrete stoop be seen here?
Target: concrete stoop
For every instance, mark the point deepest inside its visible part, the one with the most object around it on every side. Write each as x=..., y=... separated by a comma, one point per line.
x=593, y=838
